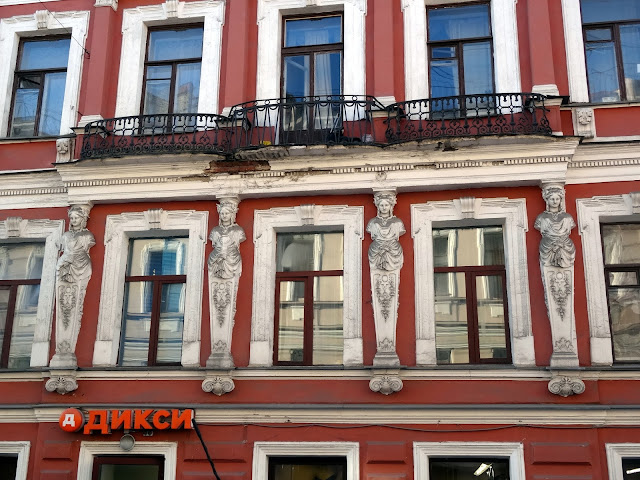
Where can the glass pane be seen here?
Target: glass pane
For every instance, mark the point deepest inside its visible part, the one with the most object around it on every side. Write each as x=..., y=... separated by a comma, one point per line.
x=157, y=256
x=478, y=76
x=327, y=321
x=156, y=97
x=171, y=323
x=52, y=99
x=491, y=322
x=624, y=307
x=609, y=10
x=291, y=322
x=597, y=34
x=136, y=323
x=297, y=83
x=4, y=304
x=328, y=81
x=454, y=247
x=458, y=22
x=443, y=52
x=469, y=469
x=38, y=55
x=21, y=261
x=304, y=252
x=623, y=278
x=24, y=325
x=175, y=44
x=630, y=43
x=313, y=31
x=159, y=72
x=621, y=244
x=452, y=341
x=602, y=72
x=631, y=468
x=443, y=76
x=319, y=468
x=129, y=472
x=187, y=89
x=25, y=106
x=8, y=467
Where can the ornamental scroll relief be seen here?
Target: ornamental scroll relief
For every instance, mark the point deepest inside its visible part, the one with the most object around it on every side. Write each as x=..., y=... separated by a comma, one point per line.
x=557, y=256
x=385, y=261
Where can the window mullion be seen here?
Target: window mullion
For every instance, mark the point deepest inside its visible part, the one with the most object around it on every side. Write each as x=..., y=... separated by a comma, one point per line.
x=155, y=322
x=8, y=327
x=615, y=30
x=308, y=320
x=472, y=318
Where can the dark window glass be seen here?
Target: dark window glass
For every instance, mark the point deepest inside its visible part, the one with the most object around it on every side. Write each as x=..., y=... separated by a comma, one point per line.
x=309, y=296
x=172, y=71
x=460, y=52
x=621, y=244
x=470, y=295
x=307, y=468
x=39, y=84
x=153, y=317
x=130, y=467
x=469, y=469
x=20, y=271
x=630, y=468
x=612, y=49
x=8, y=467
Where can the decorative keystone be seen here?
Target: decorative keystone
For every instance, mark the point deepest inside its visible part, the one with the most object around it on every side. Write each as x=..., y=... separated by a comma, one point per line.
x=62, y=382
x=386, y=383
x=218, y=384
x=566, y=386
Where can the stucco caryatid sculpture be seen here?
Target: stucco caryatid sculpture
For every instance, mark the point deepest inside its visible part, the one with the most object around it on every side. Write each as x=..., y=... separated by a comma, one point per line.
x=385, y=261
x=557, y=256
x=73, y=272
x=225, y=268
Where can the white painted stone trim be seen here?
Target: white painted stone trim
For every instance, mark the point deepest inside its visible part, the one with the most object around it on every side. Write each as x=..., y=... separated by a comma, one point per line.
x=504, y=28
x=574, y=47
x=305, y=218
x=14, y=28
x=49, y=231
x=423, y=450
x=263, y=450
x=512, y=215
x=270, y=42
x=591, y=213
x=21, y=449
x=615, y=453
x=152, y=223
x=135, y=23
x=88, y=450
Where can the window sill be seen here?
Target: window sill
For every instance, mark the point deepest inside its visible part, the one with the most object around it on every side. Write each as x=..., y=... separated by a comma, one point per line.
x=570, y=106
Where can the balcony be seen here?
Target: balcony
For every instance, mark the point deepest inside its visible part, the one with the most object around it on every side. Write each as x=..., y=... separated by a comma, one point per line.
x=328, y=120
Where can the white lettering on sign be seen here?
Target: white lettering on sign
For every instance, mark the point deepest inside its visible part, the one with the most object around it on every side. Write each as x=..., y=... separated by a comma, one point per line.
x=69, y=420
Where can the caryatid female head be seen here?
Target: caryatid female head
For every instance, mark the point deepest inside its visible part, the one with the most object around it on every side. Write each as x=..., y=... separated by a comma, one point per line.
x=78, y=217
x=384, y=202
x=227, y=210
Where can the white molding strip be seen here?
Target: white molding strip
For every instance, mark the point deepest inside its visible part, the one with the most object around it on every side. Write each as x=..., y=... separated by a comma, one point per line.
x=21, y=450
x=512, y=215
x=155, y=223
x=305, y=218
x=574, y=47
x=615, y=453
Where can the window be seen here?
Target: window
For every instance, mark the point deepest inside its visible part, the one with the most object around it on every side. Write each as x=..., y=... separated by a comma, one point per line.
x=151, y=298
x=14, y=460
x=309, y=296
x=20, y=271
x=39, y=82
x=623, y=461
x=172, y=71
x=469, y=460
x=621, y=246
x=159, y=48
x=128, y=468
x=470, y=292
x=466, y=275
x=312, y=67
x=612, y=49
x=153, y=317
x=8, y=467
x=303, y=468
x=460, y=51
x=39, y=90
x=308, y=258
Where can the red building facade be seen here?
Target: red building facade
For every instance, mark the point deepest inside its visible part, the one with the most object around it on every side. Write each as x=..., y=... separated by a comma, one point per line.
x=359, y=239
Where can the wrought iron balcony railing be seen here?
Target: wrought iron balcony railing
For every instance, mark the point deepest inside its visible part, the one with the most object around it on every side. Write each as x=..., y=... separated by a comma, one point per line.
x=321, y=120
x=468, y=115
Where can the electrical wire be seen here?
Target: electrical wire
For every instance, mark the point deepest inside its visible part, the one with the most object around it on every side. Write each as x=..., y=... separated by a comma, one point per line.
x=87, y=52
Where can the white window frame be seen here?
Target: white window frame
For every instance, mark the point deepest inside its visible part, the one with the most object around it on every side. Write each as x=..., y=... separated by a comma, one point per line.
x=263, y=450
x=17, y=230
x=158, y=223
x=270, y=14
x=89, y=450
x=135, y=25
x=13, y=29
x=615, y=453
x=422, y=451
x=300, y=219
x=592, y=212
x=574, y=47
x=511, y=214
x=504, y=31
x=21, y=449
